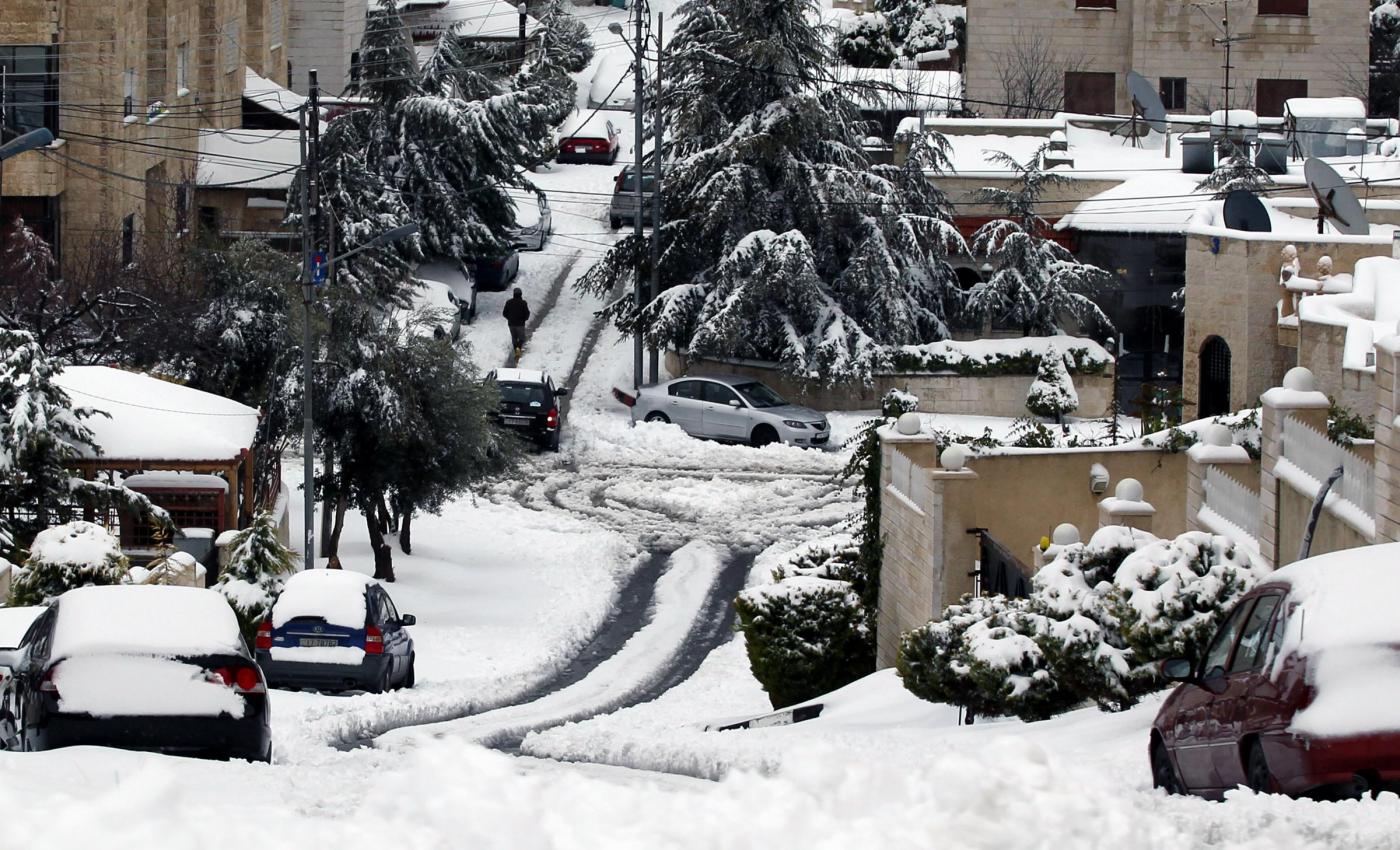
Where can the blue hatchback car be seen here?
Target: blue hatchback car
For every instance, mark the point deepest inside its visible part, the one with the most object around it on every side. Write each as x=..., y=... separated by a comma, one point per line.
x=336, y=630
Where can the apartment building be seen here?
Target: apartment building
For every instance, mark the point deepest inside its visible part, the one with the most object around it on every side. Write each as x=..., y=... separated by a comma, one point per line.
x=1289, y=48
x=125, y=86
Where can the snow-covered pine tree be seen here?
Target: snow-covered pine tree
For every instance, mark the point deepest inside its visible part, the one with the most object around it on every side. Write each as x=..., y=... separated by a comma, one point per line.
x=61, y=558
x=562, y=47
x=258, y=566
x=1036, y=282
x=1235, y=171
x=764, y=144
x=865, y=42
x=1052, y=393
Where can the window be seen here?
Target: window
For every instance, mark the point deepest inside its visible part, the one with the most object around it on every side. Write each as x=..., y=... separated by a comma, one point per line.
x=1096, y=4
x=759, y=395
x=209, y=219
x=1283, y=7
x=182, y=69
x=31, y=87
x=274, y=24
x=1090, y=92
x=719, y=393
x=1173, y=91
x=129, y=92
x=1254, y=638
x=686, y=389
x=1269, y=95
x=354, y=69
x=391, y=614
x=128, y=240
x=531, y=394
x=182, y=208
x=1219, y=653
x=233, y=46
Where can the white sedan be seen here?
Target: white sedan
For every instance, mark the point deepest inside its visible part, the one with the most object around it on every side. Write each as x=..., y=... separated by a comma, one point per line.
x=729, y=407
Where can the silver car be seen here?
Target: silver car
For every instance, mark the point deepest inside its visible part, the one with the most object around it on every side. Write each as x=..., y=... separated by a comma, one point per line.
x=732, y=408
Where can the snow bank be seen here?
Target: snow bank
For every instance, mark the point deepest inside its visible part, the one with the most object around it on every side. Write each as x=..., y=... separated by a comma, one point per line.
x=75, y=544
x=337, y=596
x=974, y=356
x=118, y=685
x=145, y=620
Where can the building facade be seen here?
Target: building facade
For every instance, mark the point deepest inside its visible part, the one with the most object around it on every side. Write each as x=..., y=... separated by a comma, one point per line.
x=125, y=86
x=1292, y=48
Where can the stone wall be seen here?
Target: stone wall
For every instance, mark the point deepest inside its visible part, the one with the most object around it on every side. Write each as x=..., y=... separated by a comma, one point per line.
x=1320, y=349
x=1000, y=395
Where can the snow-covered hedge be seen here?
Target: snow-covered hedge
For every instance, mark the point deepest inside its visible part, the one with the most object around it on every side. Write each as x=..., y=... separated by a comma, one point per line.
x=1052, y=393
x=61, y=558
x=1099, y=618
x=807, y=633
x=864, y=42
x=258, y=566
x=1020, y=356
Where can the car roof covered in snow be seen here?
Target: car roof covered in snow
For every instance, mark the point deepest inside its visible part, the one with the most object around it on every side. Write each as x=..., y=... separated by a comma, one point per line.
x=1349, y=597
x=336, y=596
x=14, y=622
x=145, y=620
x=523, y=376
x=590, y=124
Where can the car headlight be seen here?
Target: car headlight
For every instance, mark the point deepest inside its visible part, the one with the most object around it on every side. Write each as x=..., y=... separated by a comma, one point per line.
x=793, y=423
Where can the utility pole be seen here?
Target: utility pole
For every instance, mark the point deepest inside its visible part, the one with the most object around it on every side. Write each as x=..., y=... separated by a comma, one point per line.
x=639, y=54
x=654, y=356
x=312, y=266
x=4, y=83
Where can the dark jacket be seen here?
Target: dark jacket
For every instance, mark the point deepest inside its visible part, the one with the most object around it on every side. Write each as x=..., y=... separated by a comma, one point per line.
x=517, y=312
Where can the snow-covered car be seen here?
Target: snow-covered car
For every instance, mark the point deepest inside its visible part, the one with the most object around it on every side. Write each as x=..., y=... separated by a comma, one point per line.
x=1297, y=691
x=529, y=404
x=435, y=303
x=15, y=622
x=336, y=630
x=731, y=408
x=534, y=223
x=139, y=667
x=593, y=139
x=612, y=86
x=496, y=273
x=457, y=277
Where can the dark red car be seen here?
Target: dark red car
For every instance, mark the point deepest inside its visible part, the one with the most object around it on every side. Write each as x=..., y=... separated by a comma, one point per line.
x=1299, y=690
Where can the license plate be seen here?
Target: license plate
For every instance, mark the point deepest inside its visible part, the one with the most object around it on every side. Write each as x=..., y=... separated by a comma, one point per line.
x=319, y=642
x=580, y=150
x=517, y=420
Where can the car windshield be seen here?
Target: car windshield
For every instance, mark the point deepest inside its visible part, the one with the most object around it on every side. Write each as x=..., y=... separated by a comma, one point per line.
x=759, y=395
x=514, y=393
x=629, y=183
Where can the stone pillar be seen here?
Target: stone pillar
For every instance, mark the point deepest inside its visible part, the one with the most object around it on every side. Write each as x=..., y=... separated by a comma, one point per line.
x=1127, y=506
x=1299, y=399
x=1216, y=448
x=1387, y=457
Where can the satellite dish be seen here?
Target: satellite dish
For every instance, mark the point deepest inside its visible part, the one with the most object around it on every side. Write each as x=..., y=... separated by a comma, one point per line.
x=1244, y=211
x=1147, y=103
x=1335, y=200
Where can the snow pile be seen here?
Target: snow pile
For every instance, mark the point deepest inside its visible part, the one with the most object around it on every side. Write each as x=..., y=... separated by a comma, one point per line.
x=146, y=620
x=120, y=685
x=1016, y=356
x=336, y=596
x=67, y=556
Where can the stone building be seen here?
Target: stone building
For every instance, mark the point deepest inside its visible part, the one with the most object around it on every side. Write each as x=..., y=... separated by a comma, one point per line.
x=126, y=88
x=1296, y=48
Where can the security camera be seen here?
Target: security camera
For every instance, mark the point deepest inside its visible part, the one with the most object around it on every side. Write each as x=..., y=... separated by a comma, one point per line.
x=1098, y=479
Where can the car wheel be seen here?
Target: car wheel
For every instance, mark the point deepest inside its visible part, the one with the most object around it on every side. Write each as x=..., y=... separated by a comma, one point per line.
x=1163, y=774
x=762, y=436
x=554, y=442
x=615, y=223
x=658, y=416
x=409, y=678
x=384, y=683
x=1257, y=773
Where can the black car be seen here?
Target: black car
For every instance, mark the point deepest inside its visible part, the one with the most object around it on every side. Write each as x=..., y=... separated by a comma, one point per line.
x=155, y=668
x=530, y=404
x=497, y=272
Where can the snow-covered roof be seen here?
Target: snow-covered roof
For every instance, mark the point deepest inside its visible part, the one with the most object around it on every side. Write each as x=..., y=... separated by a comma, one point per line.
x=247, y=159
x=145, y=620
x=1324, y=107
x=588, y=123
x=912, y=89
x=493, y=19
x=151, y=419
x=270, y=95
x=524, y=376
x=175, y=480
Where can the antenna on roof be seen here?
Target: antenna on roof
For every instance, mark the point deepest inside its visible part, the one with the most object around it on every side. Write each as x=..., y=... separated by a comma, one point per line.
x=1147, y=108
x=1244, y=211
x=1335, y=200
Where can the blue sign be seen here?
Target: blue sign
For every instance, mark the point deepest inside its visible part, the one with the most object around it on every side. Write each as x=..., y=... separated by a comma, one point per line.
x=318, y=267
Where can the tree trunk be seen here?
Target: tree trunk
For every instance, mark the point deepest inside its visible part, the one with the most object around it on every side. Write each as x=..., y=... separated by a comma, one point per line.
x=326, y=507
x=386, y=523
x=339, y=526
x=406, y=530
x=383, y=553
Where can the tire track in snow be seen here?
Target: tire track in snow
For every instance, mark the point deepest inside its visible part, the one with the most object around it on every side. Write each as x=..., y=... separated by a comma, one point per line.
x=538, y=316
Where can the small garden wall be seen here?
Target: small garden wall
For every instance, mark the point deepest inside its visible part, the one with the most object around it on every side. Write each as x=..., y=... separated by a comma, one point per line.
x=997, y=391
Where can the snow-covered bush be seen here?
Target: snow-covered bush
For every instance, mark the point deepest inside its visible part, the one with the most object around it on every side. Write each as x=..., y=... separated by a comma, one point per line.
x=927, y=34
x=76, y=554
x=258, y=565
x=897, y=402
x=865, y=42
x=1052, y=393
x=1099, y=618
x=1236, y=171
x=808, y=632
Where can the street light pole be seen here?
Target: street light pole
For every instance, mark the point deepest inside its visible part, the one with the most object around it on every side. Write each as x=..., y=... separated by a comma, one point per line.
x=310, y=131
x=522, y=9
x=638, y=54
x=654, y=355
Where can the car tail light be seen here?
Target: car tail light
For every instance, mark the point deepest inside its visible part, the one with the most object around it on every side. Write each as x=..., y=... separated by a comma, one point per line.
x=374, y=641
x=46, y=684
x=243, y=680
x=264, y=640
x=552, y=419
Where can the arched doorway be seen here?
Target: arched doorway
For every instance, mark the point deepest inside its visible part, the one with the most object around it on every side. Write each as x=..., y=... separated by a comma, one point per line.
x=1214, y=396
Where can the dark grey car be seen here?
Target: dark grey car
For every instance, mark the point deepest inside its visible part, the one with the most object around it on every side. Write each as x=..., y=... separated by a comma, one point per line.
x=732, y=408
x=624, y=199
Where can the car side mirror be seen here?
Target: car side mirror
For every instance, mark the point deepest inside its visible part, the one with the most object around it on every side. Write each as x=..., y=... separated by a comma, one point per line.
x=562, y=391
x=1178, y=670
x=408, y=620
x=735, y=403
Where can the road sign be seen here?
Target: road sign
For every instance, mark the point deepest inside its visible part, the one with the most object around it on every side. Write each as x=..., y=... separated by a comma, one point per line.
x=318, y=267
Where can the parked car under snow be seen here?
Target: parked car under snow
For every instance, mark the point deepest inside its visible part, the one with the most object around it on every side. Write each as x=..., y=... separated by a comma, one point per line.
x=141, y=668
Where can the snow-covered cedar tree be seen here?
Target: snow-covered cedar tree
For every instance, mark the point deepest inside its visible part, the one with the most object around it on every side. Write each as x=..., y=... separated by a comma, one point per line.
x=257, y=568
x=1052, y=393
x=1099, y=618
x=864, y=42
x=41, y=431
x=76, y=554
x=782, y=242
x=1236, y=171
x=927, y=33
x=1036, y=281
x=807, y=633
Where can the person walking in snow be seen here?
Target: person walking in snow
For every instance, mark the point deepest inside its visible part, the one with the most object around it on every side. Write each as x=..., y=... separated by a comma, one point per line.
x=517, y=313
